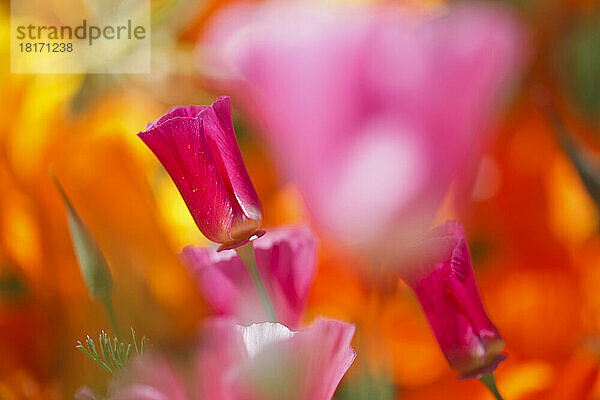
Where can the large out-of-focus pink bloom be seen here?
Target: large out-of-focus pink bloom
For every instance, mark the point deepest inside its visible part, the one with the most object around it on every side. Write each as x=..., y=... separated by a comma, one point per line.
x=286, y=262
x=442, y=277
x=373, y=110
x=198, y=148
x=264, y=361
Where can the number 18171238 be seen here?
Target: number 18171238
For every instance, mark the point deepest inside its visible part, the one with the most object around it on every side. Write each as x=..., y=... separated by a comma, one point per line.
x=39, y=47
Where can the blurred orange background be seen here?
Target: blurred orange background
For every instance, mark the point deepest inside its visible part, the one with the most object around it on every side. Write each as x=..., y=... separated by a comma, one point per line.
x=532, y=228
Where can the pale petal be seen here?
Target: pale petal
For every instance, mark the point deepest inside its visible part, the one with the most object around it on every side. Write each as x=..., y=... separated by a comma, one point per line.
x=257, y=336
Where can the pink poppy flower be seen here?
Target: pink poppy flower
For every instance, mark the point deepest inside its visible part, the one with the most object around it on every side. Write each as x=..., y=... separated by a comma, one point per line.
x=445, y=285
x=268, y=361
x=257, y=362
x=375, y=110
x=286, y=261
x=198, y=148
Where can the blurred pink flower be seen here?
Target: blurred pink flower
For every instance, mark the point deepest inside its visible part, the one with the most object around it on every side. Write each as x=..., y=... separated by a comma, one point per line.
x=443, y=280
x=150, y=376
x=268, y=361
x=285, y=260
x=257, y=362
x=373, y=110
x=198, y=148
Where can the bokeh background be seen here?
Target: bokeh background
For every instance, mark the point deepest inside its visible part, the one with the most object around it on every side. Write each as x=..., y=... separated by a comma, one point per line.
x=532, y=221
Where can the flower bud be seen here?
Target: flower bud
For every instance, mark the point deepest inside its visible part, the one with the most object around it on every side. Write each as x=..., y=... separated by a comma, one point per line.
x=198, y=148
x=445, y=285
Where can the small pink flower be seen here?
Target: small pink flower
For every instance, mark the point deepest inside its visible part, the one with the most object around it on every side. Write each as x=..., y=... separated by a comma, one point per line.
x=445, y=285
x=198, y=148
x=286, y=261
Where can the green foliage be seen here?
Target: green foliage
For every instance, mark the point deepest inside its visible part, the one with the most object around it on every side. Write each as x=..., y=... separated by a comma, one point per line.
x=584, y=161
x=93, y=264
x=366, y=387
x=577, y=60
x=114, y=355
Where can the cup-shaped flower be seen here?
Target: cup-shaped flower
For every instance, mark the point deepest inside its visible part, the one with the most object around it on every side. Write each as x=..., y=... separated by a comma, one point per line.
x=445, y=285
x=268, y=361
x=286, y=262
x=198, y=148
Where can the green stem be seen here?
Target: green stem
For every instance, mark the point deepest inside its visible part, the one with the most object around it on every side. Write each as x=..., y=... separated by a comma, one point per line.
x=246, y=254
x=490, y=382
x=107, y=303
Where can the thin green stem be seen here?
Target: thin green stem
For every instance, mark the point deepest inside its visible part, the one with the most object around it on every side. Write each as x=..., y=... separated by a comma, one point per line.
x=490, y=382
x=107, y=303
x=246, y=254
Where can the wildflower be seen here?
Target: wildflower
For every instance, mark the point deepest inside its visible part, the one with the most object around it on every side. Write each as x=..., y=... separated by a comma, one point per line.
x=444, y=282
x=198, y=148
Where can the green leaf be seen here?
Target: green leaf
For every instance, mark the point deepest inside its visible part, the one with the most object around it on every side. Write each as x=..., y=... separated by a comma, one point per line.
x=114, y=355
x=92, y=263
x=584, y=161
x=577, y=59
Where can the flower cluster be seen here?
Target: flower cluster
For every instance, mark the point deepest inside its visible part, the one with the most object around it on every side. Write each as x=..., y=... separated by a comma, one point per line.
x=239, y=356
x=382, y=156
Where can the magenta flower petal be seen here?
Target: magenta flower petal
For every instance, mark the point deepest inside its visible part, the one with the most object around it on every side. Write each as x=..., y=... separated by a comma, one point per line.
x=177, y=111
x=268, y=361
x=198, y=148
x=286, y=262
x=445, y=285
x=218, y=127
